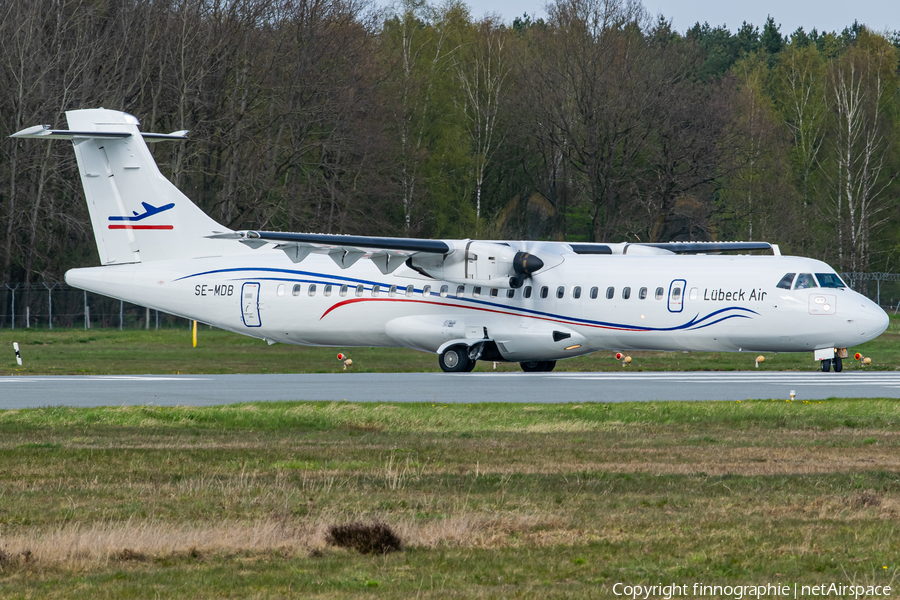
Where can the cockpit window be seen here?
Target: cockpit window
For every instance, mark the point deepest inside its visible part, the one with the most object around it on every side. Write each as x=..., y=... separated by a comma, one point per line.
x=786, y=281
x=805, y=280
x=830, y=280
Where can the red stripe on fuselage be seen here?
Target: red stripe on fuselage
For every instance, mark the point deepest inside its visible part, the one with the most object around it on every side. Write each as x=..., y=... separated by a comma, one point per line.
x=141, y=227
x=490, y=310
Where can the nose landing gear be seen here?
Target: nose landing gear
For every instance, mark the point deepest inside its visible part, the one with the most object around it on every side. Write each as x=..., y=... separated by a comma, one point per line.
x=837, y=362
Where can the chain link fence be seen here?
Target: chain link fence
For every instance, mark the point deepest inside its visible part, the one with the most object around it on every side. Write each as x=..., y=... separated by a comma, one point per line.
x=882, y=288
x=58, y=305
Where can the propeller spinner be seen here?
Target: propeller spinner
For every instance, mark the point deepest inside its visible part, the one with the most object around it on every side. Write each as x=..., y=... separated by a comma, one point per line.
x=525, y=265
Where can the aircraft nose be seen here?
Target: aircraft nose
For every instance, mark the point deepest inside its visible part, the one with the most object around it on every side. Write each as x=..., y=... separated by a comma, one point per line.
x=872, y=320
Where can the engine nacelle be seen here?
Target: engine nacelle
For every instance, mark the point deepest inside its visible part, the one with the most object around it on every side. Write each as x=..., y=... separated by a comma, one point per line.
x=479, y=263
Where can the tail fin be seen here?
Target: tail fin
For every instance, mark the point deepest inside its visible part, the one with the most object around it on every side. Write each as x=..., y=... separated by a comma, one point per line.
x=137, y=214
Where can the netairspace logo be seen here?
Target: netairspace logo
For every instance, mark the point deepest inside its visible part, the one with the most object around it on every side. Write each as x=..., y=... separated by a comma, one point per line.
x=738, y=592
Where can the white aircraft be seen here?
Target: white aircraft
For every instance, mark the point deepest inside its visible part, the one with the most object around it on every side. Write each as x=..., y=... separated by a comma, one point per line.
x=466, y=300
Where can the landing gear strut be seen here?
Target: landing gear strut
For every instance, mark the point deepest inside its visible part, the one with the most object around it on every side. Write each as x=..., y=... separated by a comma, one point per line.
x=836, y=362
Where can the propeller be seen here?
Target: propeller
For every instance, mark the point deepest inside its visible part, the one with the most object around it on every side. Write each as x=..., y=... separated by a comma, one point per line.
x=525, y=265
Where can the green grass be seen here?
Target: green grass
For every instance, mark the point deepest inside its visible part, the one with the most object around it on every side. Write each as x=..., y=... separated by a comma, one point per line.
x=492, y=500
x=99, y=351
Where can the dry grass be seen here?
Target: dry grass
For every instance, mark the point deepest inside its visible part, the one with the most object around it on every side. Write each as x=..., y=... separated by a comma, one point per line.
x=502, y=501
x=102, y=543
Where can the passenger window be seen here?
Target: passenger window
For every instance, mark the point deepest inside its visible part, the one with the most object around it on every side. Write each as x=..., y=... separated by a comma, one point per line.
x=460, y=291
x=526, y=293
x=694, y=293
x=595, y=291
x=643, y=294
x=576, y=292
x=560, y=291
x=626, y=293
x=327, y=290
x=829, y=280
x=426, y=291
x=444, y=290
x=409, y=291
x=610, y=292
x=476, y=291
x=376, y=289
x=280, y=291
x=804, y=281
x=545, y=291
x=392, y=291
x=312, y=290
x=659, y=293
x=296, y=290
x=510, y=293
x=676, y=293
x=343, y=291
x=494, y=292
x=359, y=290
x=786, y=281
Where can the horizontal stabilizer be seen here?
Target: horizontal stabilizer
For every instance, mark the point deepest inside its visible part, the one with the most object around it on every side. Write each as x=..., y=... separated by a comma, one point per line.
x=45, y=133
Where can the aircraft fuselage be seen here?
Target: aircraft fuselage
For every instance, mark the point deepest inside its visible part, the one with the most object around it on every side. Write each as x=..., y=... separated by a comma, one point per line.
x=694, y=303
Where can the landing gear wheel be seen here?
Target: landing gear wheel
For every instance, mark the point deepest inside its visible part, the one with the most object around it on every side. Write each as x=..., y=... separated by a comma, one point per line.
x=454, y=359
x=838, y=364
x=538, y=366
x=471, y=366
x=826, y=365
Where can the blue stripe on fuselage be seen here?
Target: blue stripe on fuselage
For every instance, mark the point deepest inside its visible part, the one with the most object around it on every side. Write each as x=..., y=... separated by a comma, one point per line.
x=693, y=324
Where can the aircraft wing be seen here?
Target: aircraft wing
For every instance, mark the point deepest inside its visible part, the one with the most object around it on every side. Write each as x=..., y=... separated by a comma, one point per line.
x=707, y=247
x=387, y=253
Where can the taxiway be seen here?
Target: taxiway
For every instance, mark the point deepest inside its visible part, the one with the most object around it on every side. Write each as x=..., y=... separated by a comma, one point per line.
x=205, y=390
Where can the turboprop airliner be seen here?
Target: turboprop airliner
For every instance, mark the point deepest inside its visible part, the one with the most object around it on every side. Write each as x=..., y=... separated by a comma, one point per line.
x=465, y=300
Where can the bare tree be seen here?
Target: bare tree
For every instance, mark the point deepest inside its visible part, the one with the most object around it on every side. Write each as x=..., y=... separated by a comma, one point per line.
x=860, y=84
x=425, y=53
x=484, y=79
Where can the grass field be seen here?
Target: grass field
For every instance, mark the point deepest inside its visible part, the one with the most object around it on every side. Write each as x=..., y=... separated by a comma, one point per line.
x=490, y=500
x=99, y=351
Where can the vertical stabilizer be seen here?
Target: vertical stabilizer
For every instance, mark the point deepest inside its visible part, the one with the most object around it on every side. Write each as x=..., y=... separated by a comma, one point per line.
x=137, y=214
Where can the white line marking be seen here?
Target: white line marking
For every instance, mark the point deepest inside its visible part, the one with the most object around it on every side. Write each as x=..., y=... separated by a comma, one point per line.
x=52, y=379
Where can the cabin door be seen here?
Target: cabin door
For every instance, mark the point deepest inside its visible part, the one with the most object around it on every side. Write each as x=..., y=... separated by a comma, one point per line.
x=250, y=305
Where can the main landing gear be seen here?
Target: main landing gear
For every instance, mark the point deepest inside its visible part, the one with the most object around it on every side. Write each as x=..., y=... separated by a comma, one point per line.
x=458, y=359
x=538, y=366
x=455, y=359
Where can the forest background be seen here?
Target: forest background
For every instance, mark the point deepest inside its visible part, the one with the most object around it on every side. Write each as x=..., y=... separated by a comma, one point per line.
x=599, y=123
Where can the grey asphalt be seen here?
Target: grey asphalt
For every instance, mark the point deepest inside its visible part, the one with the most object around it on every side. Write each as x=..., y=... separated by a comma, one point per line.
x=205, y=390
